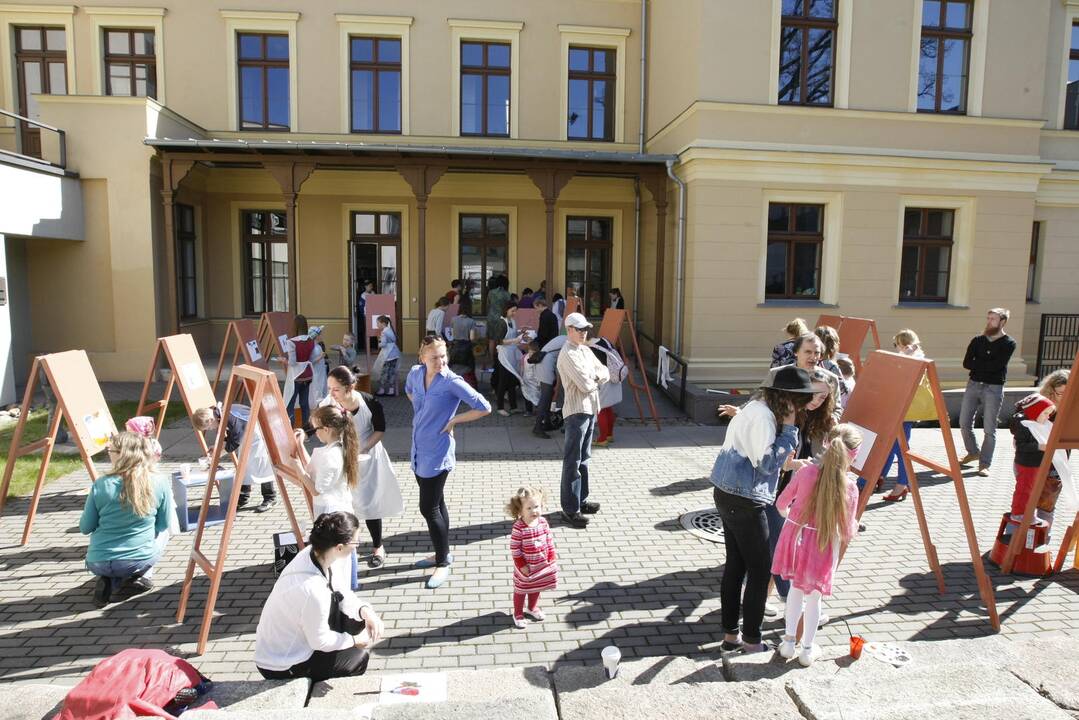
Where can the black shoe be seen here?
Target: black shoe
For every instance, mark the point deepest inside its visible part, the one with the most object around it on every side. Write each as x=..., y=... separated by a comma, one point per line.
x=266, y=505
x=577, y=520
x=589, y=508
x=242, y=500
x=540, y=433
x=102, y=591
x=141, y=585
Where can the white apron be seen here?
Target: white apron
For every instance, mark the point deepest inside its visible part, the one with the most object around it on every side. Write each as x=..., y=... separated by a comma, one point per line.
x=259, y=467
x=317, y=385
x=377, y=495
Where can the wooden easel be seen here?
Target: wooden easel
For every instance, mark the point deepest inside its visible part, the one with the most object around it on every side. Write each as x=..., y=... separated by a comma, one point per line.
x=187, y=371
x=614, y=322
x=79, y=401
x=242, y=332
x=1064, y=436
x=878, y=404
x=268, y=414
x=272, y=326
x=852, y=333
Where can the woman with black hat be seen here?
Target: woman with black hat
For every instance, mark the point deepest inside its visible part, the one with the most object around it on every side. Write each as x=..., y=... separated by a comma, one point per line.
x=759, y=441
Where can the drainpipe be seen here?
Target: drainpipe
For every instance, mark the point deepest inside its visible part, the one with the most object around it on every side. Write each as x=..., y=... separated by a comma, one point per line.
x=680, y=257
x=637, y=180
x=636, y=251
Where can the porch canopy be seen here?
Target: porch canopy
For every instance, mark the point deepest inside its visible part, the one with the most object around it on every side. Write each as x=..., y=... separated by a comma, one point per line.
x=291, y=162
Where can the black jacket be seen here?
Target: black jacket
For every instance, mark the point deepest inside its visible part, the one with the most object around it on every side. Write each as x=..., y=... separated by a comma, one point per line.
x=548, y=327
x=988, y=360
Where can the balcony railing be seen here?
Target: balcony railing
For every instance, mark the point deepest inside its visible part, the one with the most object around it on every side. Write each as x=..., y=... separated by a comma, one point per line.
x=25, y=139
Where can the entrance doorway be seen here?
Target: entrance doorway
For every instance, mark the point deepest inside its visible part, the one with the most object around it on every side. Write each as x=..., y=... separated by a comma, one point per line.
x=375, y=257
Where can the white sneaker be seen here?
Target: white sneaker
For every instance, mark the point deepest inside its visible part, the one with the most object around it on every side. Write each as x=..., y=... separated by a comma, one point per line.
x=808, y=655
x=787, y=648
x=519, y=623
x=824, y=619
x=771, y=610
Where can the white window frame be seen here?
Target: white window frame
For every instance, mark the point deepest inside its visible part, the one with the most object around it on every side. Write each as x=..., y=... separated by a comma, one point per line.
x=12, y=15
x=597, y=37
x=237, y=21
x=1071, y=15
x=383, y=26
x=831, y=251
x=129, y=19
x=484, y=31
x=841, y=57
x=962, y=260
x=979, y=27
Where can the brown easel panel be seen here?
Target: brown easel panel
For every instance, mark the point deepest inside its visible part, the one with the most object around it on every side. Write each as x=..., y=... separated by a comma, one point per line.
x=852, y=335
x=79, y=401
x=268, y=412
x=187, y=372
x=832, y=321
x=1064, y=436
x=879, y=403
x=573, y=304
x=611, y=330
x=527, y=319
x=241, y=335
x=272, y=326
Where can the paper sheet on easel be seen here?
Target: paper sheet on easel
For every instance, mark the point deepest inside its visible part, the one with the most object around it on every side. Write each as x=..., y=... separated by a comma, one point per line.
x=1041, y=431
x=282, y=342
x=253, y=350
x=868, y=438
x=194, y=375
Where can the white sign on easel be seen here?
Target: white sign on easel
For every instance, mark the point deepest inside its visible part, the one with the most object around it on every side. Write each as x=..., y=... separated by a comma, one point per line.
x=1041, y=431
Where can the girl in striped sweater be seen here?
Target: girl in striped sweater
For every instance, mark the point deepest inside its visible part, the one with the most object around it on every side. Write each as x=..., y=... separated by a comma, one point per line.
x=532, y=549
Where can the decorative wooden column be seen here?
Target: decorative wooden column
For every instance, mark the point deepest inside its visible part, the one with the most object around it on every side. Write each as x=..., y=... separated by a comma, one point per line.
x=657, y=186
x=173, y=173
x=291, y=176
x=550, y=184
x=422, y=179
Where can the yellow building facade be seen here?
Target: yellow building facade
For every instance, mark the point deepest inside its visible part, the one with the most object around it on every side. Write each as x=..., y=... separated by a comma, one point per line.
x=819, y=163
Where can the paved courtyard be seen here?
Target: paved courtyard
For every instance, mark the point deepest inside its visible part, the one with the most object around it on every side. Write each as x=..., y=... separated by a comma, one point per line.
x=634, y=578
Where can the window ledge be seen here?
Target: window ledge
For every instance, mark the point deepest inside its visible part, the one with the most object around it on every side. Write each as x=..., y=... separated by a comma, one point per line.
x=795, y=303
x=915, y=305
x=1034, y=302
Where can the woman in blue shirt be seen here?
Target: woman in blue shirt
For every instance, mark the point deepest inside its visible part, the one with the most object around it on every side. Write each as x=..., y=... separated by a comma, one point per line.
x=127, y=518
x=436, y=392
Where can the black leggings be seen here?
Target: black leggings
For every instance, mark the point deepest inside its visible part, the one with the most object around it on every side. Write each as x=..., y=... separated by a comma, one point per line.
x=433, y=509
x=506, y=386
x=375, y=528
x=324, y=665
x=745, y=536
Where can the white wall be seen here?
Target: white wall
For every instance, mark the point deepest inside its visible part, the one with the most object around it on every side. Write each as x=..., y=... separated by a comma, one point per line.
x=7, y=365
x=40, y=203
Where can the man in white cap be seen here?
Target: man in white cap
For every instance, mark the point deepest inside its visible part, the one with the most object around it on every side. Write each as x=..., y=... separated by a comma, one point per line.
x=581, y=375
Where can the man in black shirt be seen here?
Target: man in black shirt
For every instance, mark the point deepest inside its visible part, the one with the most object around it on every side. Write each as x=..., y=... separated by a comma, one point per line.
x=987, y=359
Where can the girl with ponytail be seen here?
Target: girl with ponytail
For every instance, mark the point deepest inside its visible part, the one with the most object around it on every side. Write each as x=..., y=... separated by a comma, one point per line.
x=331, y=471
x=820, y=505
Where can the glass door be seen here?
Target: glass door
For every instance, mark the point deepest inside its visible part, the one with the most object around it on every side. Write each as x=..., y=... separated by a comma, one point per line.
x=41, y=69
x=374, y=257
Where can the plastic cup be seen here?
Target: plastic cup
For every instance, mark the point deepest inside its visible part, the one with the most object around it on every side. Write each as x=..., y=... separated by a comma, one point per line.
x=185, y=470
x=611, y=655
x=856, y=645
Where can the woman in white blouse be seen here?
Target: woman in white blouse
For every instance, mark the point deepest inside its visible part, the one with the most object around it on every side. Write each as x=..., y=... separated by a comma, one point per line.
x=293, y=638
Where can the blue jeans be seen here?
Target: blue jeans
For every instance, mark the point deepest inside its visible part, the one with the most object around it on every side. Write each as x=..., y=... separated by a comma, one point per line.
x=301, y=391
x=990, y=398
x=902, y=479
x=775, y=525
x=120, y=571
x=578, y=450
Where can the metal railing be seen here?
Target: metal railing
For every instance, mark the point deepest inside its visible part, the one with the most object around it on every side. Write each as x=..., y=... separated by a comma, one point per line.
x=23, y=127
x=683, y=371
x=1058, y=342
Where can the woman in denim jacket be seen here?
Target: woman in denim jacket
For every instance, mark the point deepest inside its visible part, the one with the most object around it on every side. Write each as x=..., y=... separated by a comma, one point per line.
x=759, y=441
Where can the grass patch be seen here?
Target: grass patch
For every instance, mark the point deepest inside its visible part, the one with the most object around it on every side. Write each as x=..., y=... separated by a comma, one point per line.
x=28, y=466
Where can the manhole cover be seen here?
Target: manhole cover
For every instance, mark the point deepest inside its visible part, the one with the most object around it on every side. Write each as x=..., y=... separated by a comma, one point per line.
x=705, y=524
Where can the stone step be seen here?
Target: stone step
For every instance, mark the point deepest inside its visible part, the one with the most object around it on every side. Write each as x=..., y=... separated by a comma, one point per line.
x=36, y=701
x=506, y=693
x=666, y=687
x=257, y=696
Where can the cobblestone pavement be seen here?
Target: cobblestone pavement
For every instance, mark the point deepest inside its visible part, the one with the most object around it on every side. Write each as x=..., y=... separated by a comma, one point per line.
x=634, y=577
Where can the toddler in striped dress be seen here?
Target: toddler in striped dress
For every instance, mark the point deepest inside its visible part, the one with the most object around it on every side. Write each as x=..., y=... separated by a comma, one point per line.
x=532, y=549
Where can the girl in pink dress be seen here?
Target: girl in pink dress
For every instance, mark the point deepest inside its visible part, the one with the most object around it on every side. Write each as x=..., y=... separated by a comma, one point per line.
x=819, y=503
x=532, y=549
